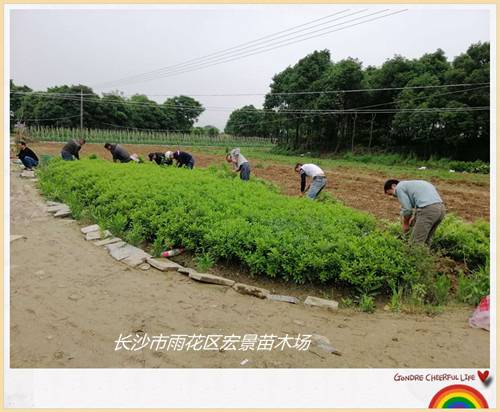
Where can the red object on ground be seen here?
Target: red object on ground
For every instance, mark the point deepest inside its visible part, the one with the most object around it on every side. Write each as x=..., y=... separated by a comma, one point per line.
x=481, y=316
x=173, y=252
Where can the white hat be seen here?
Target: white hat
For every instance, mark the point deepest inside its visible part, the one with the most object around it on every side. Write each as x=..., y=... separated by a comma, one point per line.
x=168, y=154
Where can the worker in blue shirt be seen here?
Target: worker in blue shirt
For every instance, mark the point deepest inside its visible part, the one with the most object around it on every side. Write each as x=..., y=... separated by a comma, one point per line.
x=421, y=206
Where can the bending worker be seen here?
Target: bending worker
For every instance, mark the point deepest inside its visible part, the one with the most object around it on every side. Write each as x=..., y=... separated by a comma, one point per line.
x=240, y=163
x=119, y=153
x=182, y=158
x=71, y=150
x=421, y=205
x=159, y=158
x=316, y=174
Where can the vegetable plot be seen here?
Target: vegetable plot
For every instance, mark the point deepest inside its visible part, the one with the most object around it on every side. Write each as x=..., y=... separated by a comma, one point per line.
x=248, y=223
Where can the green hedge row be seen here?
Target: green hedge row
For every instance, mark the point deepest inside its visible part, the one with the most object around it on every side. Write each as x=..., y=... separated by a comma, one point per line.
x=247, y=223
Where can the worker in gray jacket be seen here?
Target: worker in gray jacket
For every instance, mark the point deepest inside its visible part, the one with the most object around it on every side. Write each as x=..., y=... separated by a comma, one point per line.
x=240, y=163
x=119, y=153
x=71, y=150
x=421, y=206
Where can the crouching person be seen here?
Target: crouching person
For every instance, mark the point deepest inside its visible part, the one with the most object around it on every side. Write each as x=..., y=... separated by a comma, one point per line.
x=27, y=156
x=421, y=206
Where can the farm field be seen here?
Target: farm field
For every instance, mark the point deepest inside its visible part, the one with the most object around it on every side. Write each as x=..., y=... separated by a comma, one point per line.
x=356, y=185
x=70, y=301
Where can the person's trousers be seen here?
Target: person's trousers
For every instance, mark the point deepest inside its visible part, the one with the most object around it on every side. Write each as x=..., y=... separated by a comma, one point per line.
x=245, y=171
x=29, y=162
x=66, y=156
x=317, y=185
x=427, y=219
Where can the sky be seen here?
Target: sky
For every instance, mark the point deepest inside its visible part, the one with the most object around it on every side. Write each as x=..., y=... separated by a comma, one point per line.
x=97, y=46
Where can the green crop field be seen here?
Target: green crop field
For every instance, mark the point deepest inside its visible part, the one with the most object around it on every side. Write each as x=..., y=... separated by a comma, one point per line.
x=210, y=212
x=57, y=134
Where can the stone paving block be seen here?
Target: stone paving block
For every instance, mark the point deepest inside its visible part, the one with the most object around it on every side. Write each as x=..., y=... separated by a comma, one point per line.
x=91, y=228
x=63, y=212
x=13, y=238
x=56, y=208
x=186, y=271
x=283, y=298
x=322, y=303
x=136, y=259
x=126, y=251
x=29, y=174
x=251, y=290
x=165, y=265
x=97, y=235
x=52, y=203
x=112, y=246
x=208, y=278
x=108, y=241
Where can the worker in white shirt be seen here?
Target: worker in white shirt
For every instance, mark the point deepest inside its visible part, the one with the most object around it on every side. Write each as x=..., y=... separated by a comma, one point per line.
x=240, y=163
x=318, y=179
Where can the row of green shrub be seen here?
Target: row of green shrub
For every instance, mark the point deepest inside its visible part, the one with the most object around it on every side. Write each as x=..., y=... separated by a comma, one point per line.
x=224, y=219
x=268, y=233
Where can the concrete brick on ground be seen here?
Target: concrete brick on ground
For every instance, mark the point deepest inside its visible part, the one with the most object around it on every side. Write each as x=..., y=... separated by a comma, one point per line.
x=283, y=298
x=97, y=235
x=208, y=278
x=63, y=212
x=322, y=303
x=251, y=290
x=165, y=265
x=88, y=229
x=108, y=241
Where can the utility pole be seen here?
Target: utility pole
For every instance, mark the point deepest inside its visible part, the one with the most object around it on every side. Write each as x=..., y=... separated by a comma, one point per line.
x=81, y=109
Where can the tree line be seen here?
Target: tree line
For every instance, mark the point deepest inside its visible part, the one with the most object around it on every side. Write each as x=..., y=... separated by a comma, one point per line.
x=60, y=107
x=401, y=106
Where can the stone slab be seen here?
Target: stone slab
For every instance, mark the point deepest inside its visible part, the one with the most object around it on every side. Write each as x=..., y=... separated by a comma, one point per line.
x=13, y=238
x=165, y=265
x=136, y=259
x=108, y=241
x=208, y=278
x=322, y=303
x=186, y=271
x=52, y=203
x=125, y=251
x=29, y=174
x=64, y=212
x=56, y=208
x=284, y=298
x=251, y=290
x=88, y=229
x=97, y=235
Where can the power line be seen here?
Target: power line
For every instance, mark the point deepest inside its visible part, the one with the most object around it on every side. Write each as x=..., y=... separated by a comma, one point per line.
x=147, y=77
x=224, y=51
x=50, y=94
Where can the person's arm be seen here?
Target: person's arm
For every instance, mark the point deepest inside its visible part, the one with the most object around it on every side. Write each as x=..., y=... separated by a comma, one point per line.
x=406, y=210
x=77, y=153
x=302, y=182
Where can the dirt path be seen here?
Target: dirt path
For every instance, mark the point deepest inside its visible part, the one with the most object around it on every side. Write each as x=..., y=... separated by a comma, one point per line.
x=356, y=187
x=70, y=301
